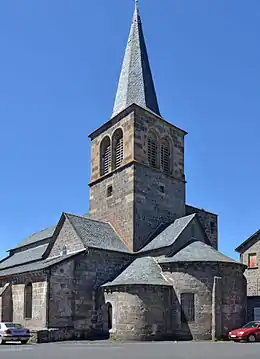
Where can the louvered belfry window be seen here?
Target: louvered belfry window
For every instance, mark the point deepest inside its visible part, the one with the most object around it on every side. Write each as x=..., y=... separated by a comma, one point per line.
x=165, y=156
x=118, y=148
x=105, y=156
x=152, y=150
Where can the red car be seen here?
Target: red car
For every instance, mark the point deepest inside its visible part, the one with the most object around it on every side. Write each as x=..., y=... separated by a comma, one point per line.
x=249, y=332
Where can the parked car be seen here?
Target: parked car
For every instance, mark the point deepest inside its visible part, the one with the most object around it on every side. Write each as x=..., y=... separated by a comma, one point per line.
x=249, y=332
x=13, y=332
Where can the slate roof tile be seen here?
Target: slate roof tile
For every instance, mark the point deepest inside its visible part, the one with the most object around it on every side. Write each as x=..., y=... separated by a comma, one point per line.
x=197, y=252
x=24, y=256
x=96, y=234
x=169, y=235
x=136, y=82
x=42, y=264
x=143, y=271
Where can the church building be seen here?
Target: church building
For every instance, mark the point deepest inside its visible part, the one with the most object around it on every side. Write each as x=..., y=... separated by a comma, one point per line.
x=142, y=264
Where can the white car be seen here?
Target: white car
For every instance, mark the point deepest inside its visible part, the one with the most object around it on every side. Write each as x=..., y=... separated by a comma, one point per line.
x=13, y=332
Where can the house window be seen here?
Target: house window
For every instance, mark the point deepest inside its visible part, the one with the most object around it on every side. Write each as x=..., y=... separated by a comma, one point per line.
x=118, y=148
x=252, y=261
x=109, y=191
x=28, y=301
x=165, y=156
x=152, y=150
x=188, y=307
x=105, y=156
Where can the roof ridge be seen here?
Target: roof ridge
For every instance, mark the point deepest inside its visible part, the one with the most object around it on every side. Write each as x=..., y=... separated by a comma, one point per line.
x=85, y=218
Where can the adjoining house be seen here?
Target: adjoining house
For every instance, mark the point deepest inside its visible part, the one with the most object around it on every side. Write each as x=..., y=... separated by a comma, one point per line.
x=142, y=264
x=250, y=256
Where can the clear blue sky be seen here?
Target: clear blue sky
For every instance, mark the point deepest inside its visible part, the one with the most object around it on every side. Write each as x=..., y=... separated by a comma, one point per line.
x=59, y=67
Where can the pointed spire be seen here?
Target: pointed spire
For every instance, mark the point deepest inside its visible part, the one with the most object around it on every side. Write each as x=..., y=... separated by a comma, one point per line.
x=136, y=82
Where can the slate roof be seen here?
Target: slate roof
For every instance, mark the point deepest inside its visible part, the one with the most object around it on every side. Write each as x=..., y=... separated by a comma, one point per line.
x=38, y=236
x=142, y=271
x=41, y=235
x=136, y=83
x=42, y=264
x=168, y=236
x=22, y=257
x=248, y=242
x=96, y=234
x=197, y=252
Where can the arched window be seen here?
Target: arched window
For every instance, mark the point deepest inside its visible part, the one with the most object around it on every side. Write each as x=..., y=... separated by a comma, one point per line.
x=28, y=301
x=152, y=150
x=118, y=148
x=165, y=156
x=105, y=156
x=109, y=315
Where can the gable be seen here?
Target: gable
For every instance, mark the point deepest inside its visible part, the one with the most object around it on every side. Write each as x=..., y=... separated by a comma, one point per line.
x=178, y=234
x=249, y=242
x=65, y=236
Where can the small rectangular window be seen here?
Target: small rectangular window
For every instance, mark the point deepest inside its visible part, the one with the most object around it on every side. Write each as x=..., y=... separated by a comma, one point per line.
x=252, y=261
x=109, y=191
x=188, y=307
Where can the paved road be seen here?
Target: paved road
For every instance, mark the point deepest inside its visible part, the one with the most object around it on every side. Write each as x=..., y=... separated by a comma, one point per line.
x=114, y=350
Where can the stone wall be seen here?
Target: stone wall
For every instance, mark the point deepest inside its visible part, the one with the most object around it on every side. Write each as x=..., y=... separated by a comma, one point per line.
x=39, y=299
x=66, y=237
x=127, y=125
x=143, y=197
x=209, y=222
x=139, y=312
x=97, y=268
x=252, y=274
x=198, y=278
x=117, y=209
x=152, y=205
x=145, y=121
x=75, y=300
x=61, y=295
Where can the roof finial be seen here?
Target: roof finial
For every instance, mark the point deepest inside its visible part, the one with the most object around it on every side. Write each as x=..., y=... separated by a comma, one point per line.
x=137, y=5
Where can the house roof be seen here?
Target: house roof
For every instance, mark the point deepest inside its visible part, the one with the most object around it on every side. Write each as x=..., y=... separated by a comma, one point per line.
x=145, y=271
x=96, y=234
x=25, y=256
x=197, y=252
x=169, y=235
x=41, y=235
x=136, y=82
x=41, y=264
x=248, y=242
x=38, y=236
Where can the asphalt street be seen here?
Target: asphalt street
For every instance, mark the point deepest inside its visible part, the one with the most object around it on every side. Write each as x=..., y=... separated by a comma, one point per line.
x=114, y=350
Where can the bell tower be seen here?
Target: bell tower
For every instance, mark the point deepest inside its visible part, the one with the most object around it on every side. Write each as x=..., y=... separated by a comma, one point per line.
x=137, y=166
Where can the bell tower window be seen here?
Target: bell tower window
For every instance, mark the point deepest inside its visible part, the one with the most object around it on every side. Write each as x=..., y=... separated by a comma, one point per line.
x=105, y=156
x=165, y=156
x=118, y=148
x=152, y=150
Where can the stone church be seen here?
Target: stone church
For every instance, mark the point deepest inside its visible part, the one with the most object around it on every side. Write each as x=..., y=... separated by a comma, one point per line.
x=142, y=264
